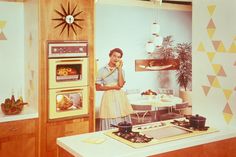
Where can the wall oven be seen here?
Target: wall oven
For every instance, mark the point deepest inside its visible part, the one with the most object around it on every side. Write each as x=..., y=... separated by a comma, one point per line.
x=68, y=79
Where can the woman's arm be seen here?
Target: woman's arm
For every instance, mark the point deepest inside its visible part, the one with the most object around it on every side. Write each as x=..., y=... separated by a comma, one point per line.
x=121, y=80
x=100, y=87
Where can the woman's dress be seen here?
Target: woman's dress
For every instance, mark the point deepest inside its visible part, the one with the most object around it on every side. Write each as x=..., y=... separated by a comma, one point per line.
x=115, y=106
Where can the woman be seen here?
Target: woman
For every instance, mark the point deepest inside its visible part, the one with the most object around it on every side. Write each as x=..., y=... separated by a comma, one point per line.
x=114, y=106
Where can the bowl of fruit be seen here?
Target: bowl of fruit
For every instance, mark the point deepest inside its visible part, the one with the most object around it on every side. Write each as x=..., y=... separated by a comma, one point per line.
x=12, y=106
x=149, y=94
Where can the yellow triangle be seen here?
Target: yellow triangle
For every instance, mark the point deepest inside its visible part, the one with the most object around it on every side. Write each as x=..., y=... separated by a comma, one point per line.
x=210, y=32
x=232, y=48
x=221, y=47
x=227, y=117
x=2, y=24
x=227, y=93
x=211, y=9
x=211, y=55
x=216, y=68
x=216, y=83
x=201, y=47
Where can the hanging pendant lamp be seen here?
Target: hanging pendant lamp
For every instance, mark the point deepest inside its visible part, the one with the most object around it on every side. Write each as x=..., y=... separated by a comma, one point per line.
x=149, y=47
x=155, y=28
x=157, y=40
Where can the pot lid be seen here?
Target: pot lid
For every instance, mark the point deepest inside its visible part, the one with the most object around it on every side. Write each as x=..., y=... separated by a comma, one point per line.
x=124, y=123
x=197, y=117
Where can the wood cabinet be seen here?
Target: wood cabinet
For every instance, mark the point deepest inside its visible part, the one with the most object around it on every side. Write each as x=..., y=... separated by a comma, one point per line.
x=19, y=138
x=61, y=129
x=223, y=148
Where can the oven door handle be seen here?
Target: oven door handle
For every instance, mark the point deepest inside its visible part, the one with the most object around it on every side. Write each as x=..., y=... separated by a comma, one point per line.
x=63, y=61
x=68, y=90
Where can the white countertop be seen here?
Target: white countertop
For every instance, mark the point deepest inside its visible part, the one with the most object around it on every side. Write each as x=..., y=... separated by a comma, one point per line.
x=111, y=147
x=27, y=113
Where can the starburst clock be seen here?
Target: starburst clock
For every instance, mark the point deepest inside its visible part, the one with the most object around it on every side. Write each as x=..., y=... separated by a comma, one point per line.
x=68, y=19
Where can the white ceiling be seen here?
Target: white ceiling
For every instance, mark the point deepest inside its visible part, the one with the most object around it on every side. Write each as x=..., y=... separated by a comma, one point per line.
x=149, y=4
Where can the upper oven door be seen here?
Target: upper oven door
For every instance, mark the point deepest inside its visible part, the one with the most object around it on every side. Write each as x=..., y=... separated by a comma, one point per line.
x=69, y=72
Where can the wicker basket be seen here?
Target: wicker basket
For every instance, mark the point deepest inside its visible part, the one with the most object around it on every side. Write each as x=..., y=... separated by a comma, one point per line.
x=12, y=110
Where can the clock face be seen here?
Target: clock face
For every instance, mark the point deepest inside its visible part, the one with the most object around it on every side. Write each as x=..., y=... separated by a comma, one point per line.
x=68, y=19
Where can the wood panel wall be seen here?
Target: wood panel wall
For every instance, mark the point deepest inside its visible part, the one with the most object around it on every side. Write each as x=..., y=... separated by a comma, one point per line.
x=48, y=32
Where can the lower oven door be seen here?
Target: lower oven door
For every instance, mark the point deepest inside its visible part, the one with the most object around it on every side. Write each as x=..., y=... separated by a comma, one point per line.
x=68, y=102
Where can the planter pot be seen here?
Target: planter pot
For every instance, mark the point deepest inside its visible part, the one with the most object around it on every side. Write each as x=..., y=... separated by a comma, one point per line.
x=186, y=96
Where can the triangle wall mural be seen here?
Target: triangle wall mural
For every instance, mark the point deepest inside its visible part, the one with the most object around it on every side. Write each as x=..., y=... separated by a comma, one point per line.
x=2, y=26
x=218, y=69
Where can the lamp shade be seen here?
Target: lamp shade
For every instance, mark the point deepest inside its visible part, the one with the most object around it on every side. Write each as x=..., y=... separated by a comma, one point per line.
x=157, y=40
x=155, y=28
x=150, y=47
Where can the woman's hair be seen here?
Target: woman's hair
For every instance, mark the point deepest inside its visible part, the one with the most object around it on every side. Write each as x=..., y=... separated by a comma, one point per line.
x=118, y=50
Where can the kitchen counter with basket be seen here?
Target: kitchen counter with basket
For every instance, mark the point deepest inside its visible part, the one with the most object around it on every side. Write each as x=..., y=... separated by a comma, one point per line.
x=160, y=137
x=27, y=113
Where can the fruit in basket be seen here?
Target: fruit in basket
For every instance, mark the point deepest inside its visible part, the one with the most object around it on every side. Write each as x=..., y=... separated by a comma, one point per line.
x=149, y=92
x=12, y=107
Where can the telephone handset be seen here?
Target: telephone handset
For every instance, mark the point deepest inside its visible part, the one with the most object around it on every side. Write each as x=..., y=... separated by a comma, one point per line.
x=118, y=64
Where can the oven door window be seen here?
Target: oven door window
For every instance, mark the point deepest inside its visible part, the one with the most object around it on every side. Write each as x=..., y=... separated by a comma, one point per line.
x=65, y=72
x=69, y=101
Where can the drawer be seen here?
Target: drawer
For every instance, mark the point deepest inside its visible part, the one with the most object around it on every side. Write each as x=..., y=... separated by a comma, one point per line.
x=16, y=128
x=78, y=127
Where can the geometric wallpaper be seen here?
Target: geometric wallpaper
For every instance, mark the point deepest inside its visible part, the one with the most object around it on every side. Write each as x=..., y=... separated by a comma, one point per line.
x=218, y=76
x=2, y=25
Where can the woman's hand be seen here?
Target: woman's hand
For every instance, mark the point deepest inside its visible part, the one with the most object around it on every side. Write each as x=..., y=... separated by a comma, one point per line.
x=116, y=87
x=100, y=87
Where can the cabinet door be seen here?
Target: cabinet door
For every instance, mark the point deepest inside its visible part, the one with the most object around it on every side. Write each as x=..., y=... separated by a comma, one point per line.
x=65, y=128
x=23, y=146
x=18, y=138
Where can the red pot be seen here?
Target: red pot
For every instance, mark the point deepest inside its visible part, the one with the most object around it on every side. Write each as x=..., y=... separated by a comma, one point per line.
x=124, y=127
x=197, y=122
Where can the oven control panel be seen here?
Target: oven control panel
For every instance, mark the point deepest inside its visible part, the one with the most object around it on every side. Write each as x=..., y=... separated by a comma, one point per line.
x=67, y=49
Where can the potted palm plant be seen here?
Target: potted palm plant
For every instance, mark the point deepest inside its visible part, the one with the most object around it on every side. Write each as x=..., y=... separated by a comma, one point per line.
x=184, y=73
x=166, y=51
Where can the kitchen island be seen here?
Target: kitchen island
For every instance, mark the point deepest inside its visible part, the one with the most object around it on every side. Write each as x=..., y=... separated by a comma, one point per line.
x=218, y=143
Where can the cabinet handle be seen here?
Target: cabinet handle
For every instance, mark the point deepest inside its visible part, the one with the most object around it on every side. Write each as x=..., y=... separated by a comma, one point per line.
x=69, y=90
x=69, y=132
x=75, y=60
x=13, y=129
